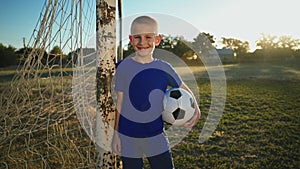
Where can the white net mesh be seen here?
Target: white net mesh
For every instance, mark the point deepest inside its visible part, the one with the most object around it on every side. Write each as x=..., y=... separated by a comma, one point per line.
x=38, y=124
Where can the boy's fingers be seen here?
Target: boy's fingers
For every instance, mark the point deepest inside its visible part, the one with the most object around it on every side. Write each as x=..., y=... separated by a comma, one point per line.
x=187, y=125
x=193, y=121
x=117, y=149
x=190, y=123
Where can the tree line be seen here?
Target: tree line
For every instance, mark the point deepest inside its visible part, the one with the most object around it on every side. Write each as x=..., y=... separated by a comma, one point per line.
x=268, y=48
x=9, y=55
x=274, y=49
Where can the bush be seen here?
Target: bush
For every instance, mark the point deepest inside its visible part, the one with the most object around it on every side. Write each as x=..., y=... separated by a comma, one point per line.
x=8, y=56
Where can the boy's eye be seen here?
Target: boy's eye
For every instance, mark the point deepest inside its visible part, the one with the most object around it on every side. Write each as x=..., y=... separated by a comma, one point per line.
x=147, y=37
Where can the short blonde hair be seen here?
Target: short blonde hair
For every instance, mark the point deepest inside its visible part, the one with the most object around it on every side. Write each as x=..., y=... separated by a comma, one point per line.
x=145, y=20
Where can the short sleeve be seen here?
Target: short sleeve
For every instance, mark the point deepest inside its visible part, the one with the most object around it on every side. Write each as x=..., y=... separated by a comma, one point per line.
x=174, y=80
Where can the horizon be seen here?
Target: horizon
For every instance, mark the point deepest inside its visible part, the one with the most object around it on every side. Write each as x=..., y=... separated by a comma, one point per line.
x=245, y=21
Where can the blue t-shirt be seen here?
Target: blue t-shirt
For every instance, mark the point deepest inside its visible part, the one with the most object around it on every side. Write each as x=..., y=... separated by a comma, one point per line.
x=143, y=86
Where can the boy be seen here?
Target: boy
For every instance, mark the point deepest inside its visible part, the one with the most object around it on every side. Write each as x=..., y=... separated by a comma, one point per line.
x=140, y=84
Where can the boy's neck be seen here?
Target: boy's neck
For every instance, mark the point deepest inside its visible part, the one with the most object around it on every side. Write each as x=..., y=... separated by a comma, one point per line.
x=142, y=59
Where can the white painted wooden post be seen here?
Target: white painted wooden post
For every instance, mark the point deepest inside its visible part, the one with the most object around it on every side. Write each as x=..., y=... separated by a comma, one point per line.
x=106, y=54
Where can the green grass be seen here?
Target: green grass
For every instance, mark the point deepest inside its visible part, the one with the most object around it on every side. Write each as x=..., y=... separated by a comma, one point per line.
x=259, y=127
x=260, y=124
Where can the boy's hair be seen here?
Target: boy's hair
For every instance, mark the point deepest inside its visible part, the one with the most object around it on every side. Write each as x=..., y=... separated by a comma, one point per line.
x=145, y=20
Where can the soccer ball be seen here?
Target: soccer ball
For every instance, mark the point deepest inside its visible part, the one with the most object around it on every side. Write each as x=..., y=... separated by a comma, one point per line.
x=178, y=106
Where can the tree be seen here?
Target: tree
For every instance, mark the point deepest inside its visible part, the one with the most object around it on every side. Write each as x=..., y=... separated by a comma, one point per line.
x=239, y=47
x=56, y=51
x=167, y=43
x=128, y=50
x=57, y=56
x=23, y=54
x=287, y=42
x=267, y=42
x=276, y=48
x=274, y=42
x=203, y=43
x=176, y=45
x=8, y=56
x=182, y=47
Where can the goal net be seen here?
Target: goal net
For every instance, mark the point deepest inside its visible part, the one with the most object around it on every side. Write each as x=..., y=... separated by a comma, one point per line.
x=39, y=126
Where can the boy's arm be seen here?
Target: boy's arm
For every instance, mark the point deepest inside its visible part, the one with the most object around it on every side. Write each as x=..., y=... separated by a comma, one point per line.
x=118, y=109
x=197, y=114
x=116, y=145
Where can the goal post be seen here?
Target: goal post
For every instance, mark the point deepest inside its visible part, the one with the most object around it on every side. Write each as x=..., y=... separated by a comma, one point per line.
x=106, y=57
x=39, y=122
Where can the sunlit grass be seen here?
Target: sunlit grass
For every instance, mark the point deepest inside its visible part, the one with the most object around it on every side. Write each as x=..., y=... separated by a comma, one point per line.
x=259, y=127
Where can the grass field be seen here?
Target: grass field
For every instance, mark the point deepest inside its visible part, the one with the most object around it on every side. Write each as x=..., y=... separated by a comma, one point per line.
x=259, y=127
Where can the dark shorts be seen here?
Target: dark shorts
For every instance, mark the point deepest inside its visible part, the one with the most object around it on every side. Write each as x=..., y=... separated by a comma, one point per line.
x=156, y=149
x=161, y=161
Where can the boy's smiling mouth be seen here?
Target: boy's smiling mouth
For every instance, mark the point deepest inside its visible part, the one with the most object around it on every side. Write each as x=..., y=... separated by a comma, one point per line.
x=143, y=48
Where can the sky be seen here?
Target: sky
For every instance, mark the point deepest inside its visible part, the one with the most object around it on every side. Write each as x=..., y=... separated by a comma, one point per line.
x=245, y=20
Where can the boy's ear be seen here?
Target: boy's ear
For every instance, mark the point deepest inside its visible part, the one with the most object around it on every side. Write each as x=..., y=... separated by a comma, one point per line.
x=130, y=38
x=158, y=39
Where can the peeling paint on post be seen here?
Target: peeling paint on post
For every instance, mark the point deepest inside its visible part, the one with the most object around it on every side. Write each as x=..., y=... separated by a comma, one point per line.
x=106, y=54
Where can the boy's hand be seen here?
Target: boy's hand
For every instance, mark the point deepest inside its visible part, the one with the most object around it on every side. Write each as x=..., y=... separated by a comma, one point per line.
x=194, y=120
x=116, y=144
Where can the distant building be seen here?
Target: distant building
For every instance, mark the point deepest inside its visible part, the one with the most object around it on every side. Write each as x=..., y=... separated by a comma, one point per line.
x=88, y=55
x=225, y=55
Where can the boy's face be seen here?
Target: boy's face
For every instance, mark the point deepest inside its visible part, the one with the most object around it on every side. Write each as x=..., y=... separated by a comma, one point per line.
x=144, y=38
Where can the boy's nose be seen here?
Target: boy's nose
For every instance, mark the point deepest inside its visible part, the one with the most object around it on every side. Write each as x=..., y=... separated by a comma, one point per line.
x=142, y=40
